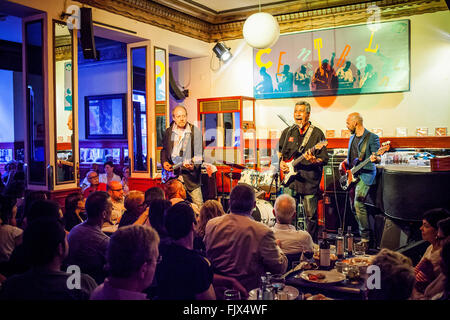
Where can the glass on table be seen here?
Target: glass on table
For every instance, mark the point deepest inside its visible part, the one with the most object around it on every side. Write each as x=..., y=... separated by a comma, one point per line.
x=341, y=267
x=278, y=283
x=359, y=249
x=232, y=294
x=308, y=255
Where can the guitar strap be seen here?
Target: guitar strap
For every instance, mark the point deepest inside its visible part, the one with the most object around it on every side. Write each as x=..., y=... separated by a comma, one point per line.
x=306, y=138
x=364, y=147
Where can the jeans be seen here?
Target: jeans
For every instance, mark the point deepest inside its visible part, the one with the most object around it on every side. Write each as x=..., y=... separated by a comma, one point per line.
x=358, y=196
x=196, y=196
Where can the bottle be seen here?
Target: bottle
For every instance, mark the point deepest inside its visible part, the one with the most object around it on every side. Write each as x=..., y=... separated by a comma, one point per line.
x=340, y=244
x=324, y=252
x=349, y=241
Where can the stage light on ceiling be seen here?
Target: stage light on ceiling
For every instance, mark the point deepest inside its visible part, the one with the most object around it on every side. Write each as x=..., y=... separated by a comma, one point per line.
x=222, y=51
x=261, y=30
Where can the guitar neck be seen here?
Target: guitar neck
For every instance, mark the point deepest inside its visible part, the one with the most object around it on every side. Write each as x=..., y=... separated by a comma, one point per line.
x=359, y=166
x=299, y=159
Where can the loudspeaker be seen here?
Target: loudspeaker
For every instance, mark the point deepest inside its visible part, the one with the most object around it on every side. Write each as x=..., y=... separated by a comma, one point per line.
x=87, y=34
x=336, y=209
x=176, y=92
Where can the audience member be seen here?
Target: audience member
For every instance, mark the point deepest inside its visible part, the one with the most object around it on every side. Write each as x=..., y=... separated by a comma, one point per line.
x=109, y=174
x=10, y=235
x=436, y=289
x=85, y=183
x=240, y=247
x=126, y=175
x=132, y=256
x=94, y=184
x=156, y=214
x=290, y=240
x=192, y=281
x=210, y=209
x=115, y=190
x=428, y=267
x=397, y=276
x=136, y=210
x=175, y=192
x=43, y=209
x=154, y=193
x=87, y=242
x=45, y=244
x=23, y=210
x=75, y=212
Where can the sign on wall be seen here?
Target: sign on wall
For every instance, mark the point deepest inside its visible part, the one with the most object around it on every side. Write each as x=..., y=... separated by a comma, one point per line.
x=354, y=60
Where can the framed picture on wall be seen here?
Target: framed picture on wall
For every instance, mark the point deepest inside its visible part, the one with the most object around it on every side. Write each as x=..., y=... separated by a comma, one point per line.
x=106, y=116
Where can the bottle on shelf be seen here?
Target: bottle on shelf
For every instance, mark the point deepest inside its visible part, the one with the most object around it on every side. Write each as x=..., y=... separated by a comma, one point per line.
x=265, y=289
x=324, y=251
x=349, y=242
x=340, y=244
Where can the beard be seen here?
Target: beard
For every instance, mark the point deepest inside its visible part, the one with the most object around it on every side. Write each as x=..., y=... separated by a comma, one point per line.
x=353, y=130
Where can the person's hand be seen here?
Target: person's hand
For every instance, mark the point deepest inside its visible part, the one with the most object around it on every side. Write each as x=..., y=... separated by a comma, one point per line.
x=343, y=167
x=188, y=166
x=310, y=157
x=238, y=286
x=167, y=166
x=283, y=166
x=374, y=157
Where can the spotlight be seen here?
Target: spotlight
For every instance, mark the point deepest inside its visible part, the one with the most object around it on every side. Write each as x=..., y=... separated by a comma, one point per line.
x=222, y=51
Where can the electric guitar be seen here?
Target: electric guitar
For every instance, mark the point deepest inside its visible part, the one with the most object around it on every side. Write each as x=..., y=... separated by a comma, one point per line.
x=348, y=179
x=287, y=177
x=167, y=175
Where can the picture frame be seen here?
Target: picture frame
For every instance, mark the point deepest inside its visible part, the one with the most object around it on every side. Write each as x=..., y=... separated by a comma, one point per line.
x=106, y=116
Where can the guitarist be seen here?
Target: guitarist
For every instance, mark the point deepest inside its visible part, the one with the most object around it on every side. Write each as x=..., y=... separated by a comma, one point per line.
x=183, y=142
x=293, y=143
x=362, y=145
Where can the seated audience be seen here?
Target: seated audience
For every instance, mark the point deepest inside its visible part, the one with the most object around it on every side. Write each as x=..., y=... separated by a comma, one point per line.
x=428, y=267
x=10, y=235
x=45, y=244
x=126, y=175
x=109, y=174
x=154, y=193
x=397, y=276
x=85, y=183
x=115, y=190
x=43, y=209
x=22, y=211
x=240, y=247
x=87, y=242
x=136, y=210
x=131, y=258
x=75, y=212
x=156, y=214
x=183, y=274
x=94, y=184
x=290, y=240
x=435, y=290
x=175, y=192
x=210, y=209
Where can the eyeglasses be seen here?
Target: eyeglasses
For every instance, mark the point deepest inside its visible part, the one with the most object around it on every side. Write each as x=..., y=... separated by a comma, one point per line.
x=117, y=190
x=92, y=177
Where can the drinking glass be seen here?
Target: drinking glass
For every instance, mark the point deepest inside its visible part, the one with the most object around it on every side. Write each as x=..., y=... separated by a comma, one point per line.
x=360, y=249
x=308, y=255
x=232, y=294
x=341, y=267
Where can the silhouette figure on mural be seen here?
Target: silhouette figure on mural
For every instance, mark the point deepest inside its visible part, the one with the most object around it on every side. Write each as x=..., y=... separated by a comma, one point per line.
x=286, y=83
x=302, y=79
x=369, y=78
x=325, y=77
x=345, y=76
x=265, y=86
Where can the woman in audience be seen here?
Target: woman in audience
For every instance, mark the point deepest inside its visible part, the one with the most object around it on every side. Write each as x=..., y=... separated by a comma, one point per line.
x=209, y=210
x=436, y=289
x=428, y=267
x=157, y=209
x=137, y=212
x=75, y=211
x=10, y=235
x=109, y=174
x=126, y=175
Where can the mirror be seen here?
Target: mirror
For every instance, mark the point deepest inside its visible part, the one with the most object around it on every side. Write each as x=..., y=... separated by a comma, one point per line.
x=160, y=97
x=139, y=98
x=35, y=102
x=63, y=76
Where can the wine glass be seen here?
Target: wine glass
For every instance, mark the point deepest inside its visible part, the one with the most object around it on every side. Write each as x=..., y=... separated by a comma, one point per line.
x=278, y=283
x=232, y=294
x=308, y=255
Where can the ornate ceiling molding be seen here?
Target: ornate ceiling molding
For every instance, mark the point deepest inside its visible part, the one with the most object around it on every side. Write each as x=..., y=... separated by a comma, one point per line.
x=308, y=15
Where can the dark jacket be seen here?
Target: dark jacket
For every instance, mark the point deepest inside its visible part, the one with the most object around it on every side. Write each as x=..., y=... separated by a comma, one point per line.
x=369, y=171
x=192, y=178
x=308, y=176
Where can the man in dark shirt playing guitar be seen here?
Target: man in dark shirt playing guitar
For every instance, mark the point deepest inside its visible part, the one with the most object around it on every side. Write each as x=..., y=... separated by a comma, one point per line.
x=362, y=144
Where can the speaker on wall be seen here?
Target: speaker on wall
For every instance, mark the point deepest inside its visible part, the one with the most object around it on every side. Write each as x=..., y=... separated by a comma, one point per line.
x=87, y=34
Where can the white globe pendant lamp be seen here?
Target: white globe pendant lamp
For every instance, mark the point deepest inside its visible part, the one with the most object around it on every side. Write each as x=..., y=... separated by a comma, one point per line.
x=261, y=30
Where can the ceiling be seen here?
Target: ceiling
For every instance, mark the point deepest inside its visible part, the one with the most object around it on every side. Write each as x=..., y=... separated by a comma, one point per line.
x=222, y=6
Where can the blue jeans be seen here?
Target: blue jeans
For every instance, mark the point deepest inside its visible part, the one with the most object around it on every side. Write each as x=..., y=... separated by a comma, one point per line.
x=359, y=195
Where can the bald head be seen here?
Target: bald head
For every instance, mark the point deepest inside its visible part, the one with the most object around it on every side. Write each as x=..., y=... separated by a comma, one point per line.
x=355, y=116
x=115, y=190
x=179, y=115
x=284, y=208
x=355, y=123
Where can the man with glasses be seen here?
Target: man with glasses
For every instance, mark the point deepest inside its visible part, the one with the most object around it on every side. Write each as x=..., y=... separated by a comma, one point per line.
x=183, y=143
x=115, y=190
x=94, y=184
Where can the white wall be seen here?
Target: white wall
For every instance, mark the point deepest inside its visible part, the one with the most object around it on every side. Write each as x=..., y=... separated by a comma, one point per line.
x=6, y=106
x=427, y=104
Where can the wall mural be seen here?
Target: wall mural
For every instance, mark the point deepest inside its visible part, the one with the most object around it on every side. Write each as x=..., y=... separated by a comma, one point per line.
x=354, y=60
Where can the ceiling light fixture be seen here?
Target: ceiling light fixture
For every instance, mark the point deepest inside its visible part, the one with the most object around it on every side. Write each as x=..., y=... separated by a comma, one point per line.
x=222, y=51
x=261, y=30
